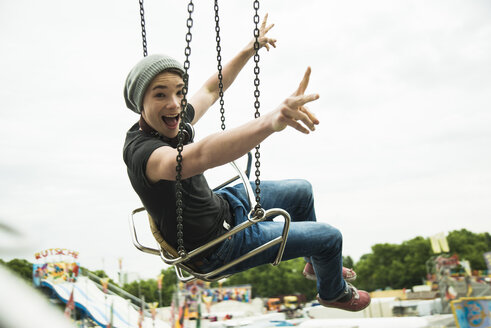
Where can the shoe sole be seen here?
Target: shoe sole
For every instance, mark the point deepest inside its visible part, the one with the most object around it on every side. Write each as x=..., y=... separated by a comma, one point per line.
x=314, y=278
x=326, y=304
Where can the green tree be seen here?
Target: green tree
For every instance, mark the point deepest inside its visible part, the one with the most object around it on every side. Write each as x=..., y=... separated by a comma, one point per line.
x=348, y=262
x=169, y=285
x=99, y=273
x=149, y=287
x=393, y=266
x=399, y=266
x=21, y=267
x=470, y=246
x=139, y=288
x=415, y=254
x=269, y=281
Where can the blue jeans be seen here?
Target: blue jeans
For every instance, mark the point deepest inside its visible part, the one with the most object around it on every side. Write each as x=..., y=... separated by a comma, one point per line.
x=319, y=243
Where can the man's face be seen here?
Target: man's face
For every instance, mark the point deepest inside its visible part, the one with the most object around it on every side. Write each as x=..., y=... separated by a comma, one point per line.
x=162, y=103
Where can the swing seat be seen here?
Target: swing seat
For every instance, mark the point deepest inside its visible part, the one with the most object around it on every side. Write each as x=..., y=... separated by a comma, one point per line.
x=185, y=269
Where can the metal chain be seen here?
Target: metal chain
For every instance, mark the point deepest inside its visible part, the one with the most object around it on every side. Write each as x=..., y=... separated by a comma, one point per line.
x=144, y=32
x=257, y=104
x=219, y=65
x=184, y=102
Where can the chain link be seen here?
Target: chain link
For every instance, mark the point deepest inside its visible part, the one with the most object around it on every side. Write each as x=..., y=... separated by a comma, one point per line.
x=184, y=102
x=144, y=32
x=257, y=104
x=187, y=52
x=219, y=65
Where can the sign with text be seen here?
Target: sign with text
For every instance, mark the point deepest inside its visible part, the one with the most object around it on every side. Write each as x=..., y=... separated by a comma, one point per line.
x=55, y=252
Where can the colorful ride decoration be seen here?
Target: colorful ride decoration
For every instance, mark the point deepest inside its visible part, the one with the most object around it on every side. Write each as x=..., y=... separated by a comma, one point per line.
x=56, y=265
x=215, y=295
x=472, y=312
x=195, y=289
x=193, y=294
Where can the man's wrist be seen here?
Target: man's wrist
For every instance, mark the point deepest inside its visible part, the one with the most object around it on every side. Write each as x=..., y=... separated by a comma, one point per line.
x=249, y=49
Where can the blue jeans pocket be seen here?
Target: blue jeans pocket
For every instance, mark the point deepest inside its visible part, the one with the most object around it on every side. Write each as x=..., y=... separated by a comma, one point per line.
x=217, y=258
x=223, y=252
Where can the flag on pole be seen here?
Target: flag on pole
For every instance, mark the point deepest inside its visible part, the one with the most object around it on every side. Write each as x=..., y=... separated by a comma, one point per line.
x=172, y=312
x=180, y=318
x=70, y=305
x=159, y=281
x=153, y=309
x=110, y=323
x=198, y=320
x=141, y=317
x=104, y=283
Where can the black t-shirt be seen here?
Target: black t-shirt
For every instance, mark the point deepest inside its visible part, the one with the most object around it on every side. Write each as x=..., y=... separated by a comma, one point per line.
x=203, y=210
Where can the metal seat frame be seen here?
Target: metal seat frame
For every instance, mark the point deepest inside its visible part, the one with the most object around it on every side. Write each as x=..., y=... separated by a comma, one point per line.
x=182, y=263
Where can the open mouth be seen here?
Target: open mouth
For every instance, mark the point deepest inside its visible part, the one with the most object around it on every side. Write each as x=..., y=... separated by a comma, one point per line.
x=171, y=121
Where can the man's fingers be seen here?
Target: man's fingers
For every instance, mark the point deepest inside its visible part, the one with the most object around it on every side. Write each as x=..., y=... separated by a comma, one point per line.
x=304, y=83
x=310, y=97
x=296, y=115
x=297, y=126
x=265, y=19
x=311, y=115
x=269, y=42
x=266, y=30
x=300, y=100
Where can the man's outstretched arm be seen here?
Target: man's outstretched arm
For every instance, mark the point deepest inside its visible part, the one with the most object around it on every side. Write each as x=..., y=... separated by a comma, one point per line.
x=223, y=147
x=208, y=94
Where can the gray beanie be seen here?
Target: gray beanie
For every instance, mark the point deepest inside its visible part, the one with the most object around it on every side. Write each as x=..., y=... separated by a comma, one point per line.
x=141, y=75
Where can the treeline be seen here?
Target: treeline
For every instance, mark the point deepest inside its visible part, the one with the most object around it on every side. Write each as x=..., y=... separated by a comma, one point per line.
x=405, y=265
x=149, y=288
x=21, y=267
x=388, y=265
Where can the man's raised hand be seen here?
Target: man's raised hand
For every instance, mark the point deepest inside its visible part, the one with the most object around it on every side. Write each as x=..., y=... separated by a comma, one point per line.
x=264, y=41
x=293, y=110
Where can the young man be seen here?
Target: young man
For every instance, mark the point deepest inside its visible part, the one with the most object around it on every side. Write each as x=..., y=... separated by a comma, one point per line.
x=154, y=90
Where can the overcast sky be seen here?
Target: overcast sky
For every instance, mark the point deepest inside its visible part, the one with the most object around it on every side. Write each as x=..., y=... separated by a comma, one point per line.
x=403, y=148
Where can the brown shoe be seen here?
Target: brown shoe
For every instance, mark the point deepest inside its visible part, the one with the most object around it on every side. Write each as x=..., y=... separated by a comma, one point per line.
x=308, y=271
x=349, y=274
x=360, y=299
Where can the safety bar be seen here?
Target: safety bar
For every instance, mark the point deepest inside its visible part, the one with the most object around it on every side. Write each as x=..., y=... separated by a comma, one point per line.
x=253, y=218
x=235, y=230
x=244, y=176
x=180, y=261
x=134, y=236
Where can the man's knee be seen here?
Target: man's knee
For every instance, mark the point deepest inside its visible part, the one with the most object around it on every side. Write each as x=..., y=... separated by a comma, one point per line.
x=306, y=186
x=334, y=237
x=307, y=193
x=302, y=187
